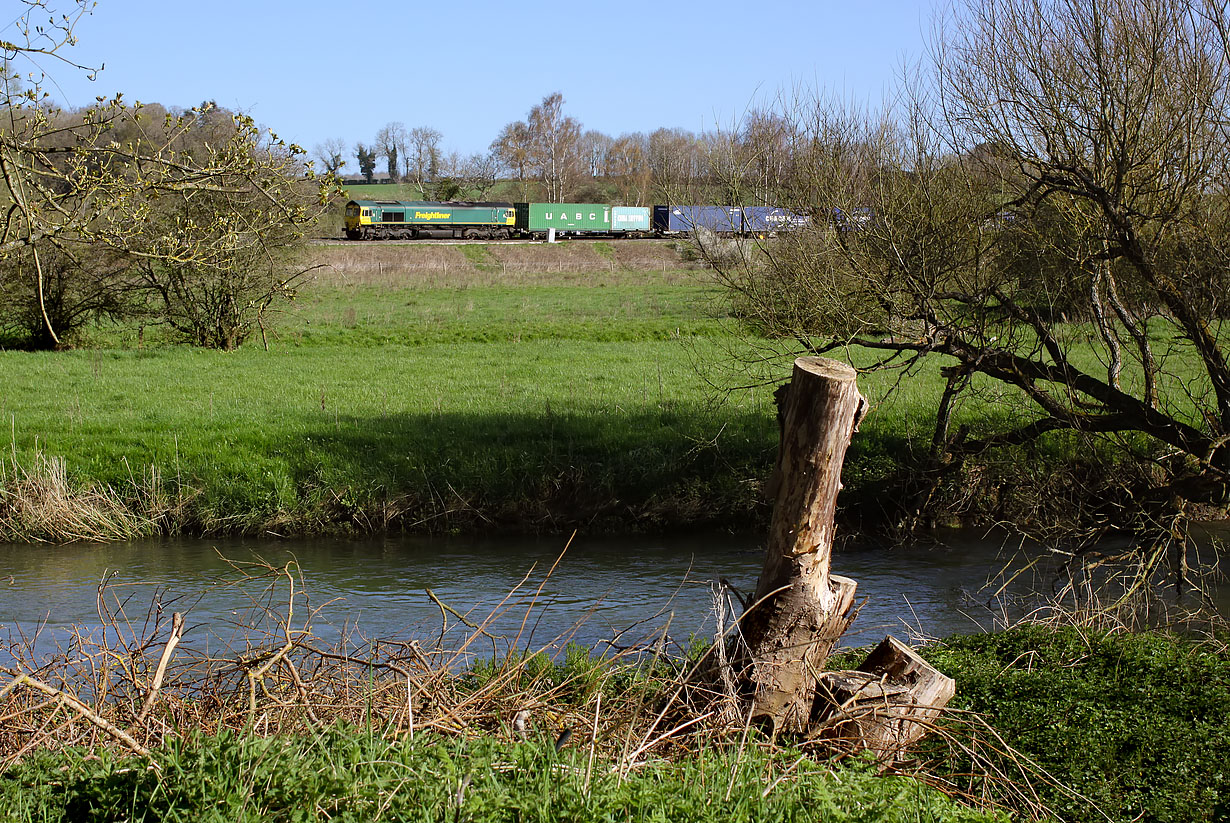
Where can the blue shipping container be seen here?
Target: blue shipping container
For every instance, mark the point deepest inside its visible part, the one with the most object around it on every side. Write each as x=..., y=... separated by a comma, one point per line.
x=720, y=219
x=772, y=218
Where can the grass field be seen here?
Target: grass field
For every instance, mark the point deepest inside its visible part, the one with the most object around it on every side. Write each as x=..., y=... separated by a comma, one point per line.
x=397, y=394
x=439, y=387
x=349, y=775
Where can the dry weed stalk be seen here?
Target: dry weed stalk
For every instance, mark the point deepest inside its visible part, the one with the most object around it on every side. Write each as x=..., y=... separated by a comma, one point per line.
x=143, y=678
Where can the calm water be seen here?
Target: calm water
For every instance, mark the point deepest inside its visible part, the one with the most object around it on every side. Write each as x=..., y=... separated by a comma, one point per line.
x=622, y=591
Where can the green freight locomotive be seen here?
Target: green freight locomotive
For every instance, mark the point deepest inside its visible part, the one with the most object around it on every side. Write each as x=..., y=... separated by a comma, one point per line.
x=403, y=219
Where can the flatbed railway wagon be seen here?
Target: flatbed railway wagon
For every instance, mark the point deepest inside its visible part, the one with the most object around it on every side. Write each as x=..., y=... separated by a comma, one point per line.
x=406, y=219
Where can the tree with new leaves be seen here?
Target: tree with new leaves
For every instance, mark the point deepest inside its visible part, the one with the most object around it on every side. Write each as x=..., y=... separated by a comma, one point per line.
x=1045, y=213
x=105, y=191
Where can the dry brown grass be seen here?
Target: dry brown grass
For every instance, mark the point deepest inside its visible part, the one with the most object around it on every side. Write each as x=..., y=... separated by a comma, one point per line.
x=142, y=677
x=433, y=265
x=39, y=502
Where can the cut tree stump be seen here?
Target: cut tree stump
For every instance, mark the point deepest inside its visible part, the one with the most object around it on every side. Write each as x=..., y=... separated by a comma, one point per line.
x=884, y=706
x=799, y=610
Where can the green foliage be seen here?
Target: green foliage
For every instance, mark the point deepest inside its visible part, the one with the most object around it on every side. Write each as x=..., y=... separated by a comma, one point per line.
x=344, y=774
x=1137, y=723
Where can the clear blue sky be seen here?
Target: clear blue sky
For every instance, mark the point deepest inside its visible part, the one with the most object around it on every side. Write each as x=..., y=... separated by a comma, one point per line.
x=312, y=70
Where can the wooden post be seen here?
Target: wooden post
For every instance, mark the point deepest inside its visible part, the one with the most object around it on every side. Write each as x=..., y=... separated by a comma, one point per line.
x=799, y=610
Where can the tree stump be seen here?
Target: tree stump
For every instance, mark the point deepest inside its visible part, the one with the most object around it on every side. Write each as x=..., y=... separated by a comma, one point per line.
x=884, y=706
x=799, y=610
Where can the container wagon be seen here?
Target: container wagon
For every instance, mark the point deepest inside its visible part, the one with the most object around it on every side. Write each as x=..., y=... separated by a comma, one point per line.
x=631, y=221
x=537, y=219
x=766, y=220
x=687, y=219
x=392, y=219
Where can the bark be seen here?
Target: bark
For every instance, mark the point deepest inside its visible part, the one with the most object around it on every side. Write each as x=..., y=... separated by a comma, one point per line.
x=799, y=610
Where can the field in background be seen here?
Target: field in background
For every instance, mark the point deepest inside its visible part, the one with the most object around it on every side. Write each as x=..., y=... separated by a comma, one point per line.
x=440, y=388
x=415, y=387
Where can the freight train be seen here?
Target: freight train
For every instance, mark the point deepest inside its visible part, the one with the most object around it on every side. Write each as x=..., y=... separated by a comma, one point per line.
x=402, y=219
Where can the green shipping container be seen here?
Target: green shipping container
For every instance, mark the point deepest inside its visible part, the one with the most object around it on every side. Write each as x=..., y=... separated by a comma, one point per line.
x=563, y=217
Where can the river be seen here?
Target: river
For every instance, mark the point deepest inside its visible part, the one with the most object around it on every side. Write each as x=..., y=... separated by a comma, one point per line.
x=600, y=592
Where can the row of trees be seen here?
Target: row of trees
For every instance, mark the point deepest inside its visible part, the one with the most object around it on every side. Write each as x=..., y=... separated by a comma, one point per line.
x=189, y=219
x=1044, y=211
x=552, y=157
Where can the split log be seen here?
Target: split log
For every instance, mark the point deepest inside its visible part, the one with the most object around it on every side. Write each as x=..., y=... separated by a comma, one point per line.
x=799, y=610
x=884, y=706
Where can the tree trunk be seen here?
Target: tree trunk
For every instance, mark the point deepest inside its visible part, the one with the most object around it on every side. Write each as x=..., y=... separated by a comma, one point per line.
x=799, y=610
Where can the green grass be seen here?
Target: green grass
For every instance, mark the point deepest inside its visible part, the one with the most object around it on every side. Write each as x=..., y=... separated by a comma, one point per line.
x=1137, y=725
x=347, y=774
x=516, y=430
x=448, y=398
x=526, y=407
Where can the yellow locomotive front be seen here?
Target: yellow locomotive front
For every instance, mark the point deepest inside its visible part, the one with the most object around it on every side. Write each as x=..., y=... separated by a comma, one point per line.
x=358, y=216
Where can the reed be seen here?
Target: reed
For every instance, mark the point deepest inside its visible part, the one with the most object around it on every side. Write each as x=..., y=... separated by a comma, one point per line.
x=39, y=502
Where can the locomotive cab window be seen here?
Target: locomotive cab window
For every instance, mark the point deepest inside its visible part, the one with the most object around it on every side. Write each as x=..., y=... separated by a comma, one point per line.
x=352, y=211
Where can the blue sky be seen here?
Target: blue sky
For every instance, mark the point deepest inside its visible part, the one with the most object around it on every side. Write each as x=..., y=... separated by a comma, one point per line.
x=314, y=70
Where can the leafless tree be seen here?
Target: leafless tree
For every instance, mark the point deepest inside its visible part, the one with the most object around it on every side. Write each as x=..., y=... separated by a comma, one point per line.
x=331, y=153
x=391, y=142
x=422, y=157
x=479, y=173
x=594, y=148
x=628, y=167
x=512, y=148
x=1046, y=214
x=673, y=161
x=554, y=146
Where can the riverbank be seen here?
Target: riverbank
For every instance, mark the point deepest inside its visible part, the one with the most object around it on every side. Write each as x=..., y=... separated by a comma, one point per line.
x=445, y=389
x=1049, y=722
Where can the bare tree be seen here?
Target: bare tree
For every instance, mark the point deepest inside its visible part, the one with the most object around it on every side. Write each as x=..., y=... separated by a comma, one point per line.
x=332, y=155
x=1045, y=214
x=422, y=157
x=674, y=166
x=391, y=142
x=554, y=148
x=594, y=148
x=512, y=148
x=479, y=173
x=626, y=164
